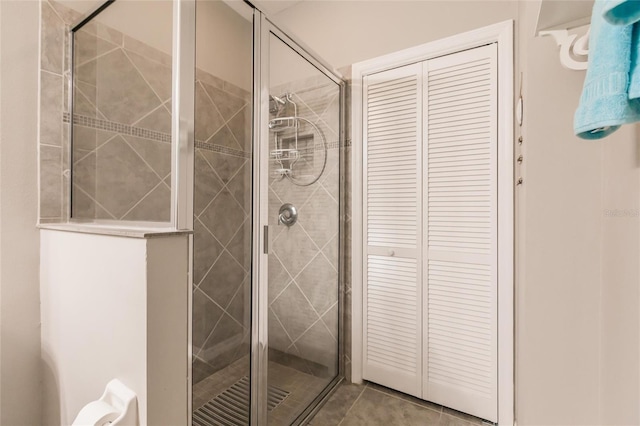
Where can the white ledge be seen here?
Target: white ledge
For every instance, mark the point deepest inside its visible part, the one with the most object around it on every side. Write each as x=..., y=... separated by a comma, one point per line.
x=115, y=231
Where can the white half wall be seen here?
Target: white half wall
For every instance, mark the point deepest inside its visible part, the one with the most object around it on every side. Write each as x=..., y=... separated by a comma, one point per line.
x=114, y=307
x=19, y=280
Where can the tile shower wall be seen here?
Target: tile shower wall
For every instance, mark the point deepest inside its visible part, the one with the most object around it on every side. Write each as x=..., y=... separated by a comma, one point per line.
x=303, y=264
x=121, y=128
x=123, y=159
x=222, y=240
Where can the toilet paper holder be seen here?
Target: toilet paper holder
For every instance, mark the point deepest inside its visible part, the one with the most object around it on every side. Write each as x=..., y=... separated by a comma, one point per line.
x=117, y=406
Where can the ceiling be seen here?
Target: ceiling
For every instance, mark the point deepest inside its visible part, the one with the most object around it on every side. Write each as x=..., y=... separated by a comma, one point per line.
x=273, y=7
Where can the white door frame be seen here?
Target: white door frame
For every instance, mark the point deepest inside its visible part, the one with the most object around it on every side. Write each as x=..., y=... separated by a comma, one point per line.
x=501, y=33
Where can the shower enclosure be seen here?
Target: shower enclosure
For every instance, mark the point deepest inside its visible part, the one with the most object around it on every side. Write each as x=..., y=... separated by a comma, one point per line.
x=245, y=149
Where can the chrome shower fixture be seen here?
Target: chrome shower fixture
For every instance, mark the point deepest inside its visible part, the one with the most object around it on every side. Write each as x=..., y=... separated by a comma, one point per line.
x=277, y=103
x=285, y=129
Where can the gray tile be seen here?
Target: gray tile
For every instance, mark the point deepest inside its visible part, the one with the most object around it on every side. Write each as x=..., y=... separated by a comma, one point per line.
x=330, y=251
x=207, y=118
x=84, y=138
x=447, y=420
x=240, y=186
x=295, y=249
x=330, y=319
x=204, y=77
x=88, y=47
x=51, y=39
x=84, y=174
x=205, y=251
x=273, y=208
x=223, y=280
x=461, y=416
x=69, y=16
x=109, y=34
x=240, y=306
x=290, y=193
x=155, y=73
x=83, y=207
x=240, y=245
x=406, y=397
x=159, y=120
x=205, y=316
x=224, y=137
x=122, y=177
x=86, y=73
x=375, y=408
x=319, y=346
x=240, y=126
x=123, y=95
x=50, y=109
x=237, y=91
x=223, y=217
x=319, y=283
x=144, y=49
x=336, y=408
x=226, y=329
x=206, y=186
x=278, y=338
x=157, y=154
x=84, y=99
x=279, y=278
x=294, y=312
x=225, y=166
x=227, y=104
x=50, y=182
x=155, y=207
x=200, y=370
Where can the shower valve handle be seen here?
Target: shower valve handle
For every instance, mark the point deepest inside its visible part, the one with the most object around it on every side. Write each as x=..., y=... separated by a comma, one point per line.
x=288, y=215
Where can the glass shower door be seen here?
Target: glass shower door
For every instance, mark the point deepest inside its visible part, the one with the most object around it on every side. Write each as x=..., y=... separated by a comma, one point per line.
x=303, y=211
x=222, y=279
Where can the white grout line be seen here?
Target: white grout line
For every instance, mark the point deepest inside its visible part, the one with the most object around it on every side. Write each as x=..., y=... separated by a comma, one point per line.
x=95, y=58
x=143, y=77
x=161, y=106
x=126, y=141
x=141, y=200
x=353, y=405
x=95, y=201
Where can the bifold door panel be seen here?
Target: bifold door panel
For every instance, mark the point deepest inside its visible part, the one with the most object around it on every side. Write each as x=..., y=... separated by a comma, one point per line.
x=430, y=179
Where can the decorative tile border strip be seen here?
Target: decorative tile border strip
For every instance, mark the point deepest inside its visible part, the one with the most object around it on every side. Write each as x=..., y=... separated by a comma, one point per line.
x=222, y=149
x=111, y=126
x=97, y=123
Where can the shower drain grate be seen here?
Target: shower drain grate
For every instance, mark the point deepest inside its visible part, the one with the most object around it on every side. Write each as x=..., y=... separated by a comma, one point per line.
x=231, y=407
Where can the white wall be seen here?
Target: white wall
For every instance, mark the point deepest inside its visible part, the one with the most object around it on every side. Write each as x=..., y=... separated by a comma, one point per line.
x=19, y=298
x=560, y=244
x=114, y=307
x=578, y=296
x=344, y=32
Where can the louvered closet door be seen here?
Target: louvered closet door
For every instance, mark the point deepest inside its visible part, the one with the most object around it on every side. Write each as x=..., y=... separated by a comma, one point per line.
x=392, y=221
x=460, y=217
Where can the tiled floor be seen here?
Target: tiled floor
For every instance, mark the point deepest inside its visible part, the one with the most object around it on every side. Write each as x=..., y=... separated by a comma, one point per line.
x=302, y=388
x=373, y=405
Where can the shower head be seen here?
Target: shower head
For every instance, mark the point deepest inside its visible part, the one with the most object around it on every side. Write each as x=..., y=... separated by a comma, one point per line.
x=277, y=100
x=276, y=104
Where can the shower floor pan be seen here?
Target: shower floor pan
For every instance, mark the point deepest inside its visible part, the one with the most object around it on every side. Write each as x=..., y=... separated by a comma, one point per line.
x=230, y=407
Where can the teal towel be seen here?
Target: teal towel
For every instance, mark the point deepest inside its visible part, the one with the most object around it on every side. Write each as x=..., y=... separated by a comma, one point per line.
x=621, y=12
x=604, y=105
x=627, y=12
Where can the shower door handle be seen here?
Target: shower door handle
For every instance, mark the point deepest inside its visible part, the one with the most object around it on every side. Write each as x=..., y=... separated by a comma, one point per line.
x=265, y=247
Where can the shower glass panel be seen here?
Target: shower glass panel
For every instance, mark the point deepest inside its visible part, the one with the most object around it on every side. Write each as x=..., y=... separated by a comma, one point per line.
x=121, y=114
x=304, y=156
x=221, y=312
